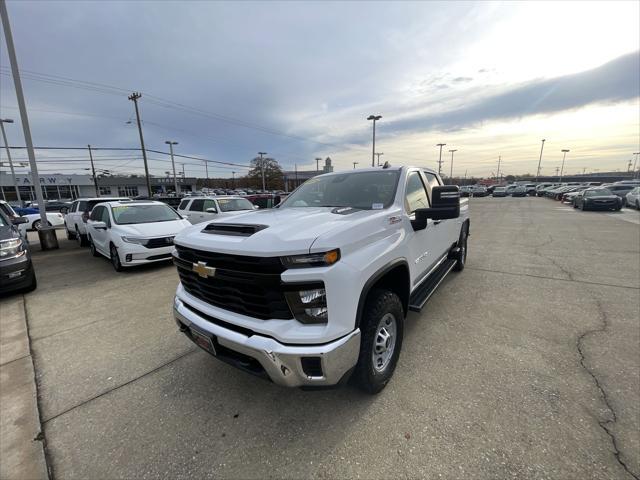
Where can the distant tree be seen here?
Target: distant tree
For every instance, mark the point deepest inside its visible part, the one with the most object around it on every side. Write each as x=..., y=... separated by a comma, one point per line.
x=272, y=174
x=510, y=178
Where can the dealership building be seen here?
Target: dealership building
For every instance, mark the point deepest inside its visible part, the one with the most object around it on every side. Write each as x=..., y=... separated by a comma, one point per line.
x=59, y=186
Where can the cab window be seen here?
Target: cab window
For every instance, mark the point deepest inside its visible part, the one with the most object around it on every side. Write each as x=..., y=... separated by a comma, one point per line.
x=432, y=181
x=197, y=206
x=209, y=204
x=415, y=193
x=183, y=204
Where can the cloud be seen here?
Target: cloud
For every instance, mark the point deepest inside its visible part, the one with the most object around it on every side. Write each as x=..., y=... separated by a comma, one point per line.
x=462, y=79
x=613, y=82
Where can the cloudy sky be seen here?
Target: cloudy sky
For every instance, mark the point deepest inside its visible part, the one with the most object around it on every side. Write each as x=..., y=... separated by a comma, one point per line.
x=298, y=79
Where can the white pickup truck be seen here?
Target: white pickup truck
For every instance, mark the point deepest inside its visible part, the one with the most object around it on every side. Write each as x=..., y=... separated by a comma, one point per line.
x=315, y=292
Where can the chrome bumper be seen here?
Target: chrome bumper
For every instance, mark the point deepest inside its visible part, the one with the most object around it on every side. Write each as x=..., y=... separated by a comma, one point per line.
x=281, y=363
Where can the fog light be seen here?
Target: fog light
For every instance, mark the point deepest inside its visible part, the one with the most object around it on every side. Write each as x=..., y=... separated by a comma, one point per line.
x=128, y=257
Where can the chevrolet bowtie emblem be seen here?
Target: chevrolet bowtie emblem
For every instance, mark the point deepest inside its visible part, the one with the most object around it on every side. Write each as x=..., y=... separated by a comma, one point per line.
x=203, y=270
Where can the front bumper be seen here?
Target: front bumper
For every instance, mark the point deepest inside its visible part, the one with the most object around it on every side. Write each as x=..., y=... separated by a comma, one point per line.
x=133, y=254
x=283, y=364
x=15, y=273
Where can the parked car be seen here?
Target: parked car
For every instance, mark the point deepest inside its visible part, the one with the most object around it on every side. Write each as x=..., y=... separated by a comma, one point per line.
x=500, y=192
x=510, y=189
x=519, y=191
x=322, y=284
x=202, y=209
x=16, y=268
x=75, y=220
x=266, y=200
x=541, y=189
x=33, y=219
x=172, y=201
x=531, y=188
x=620, y=189
x=134, y=232
x=53, y=205
x=633, y=198
x=597, y=199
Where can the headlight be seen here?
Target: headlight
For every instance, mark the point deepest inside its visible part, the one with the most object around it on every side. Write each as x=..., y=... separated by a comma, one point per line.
x=308, y=306
x=322, y=259
x=11, y=248
x=137, y=240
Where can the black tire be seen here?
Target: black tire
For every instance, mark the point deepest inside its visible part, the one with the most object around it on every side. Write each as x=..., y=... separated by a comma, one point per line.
x=92, y=248
x=638, y=204
x=461, y=257
x=115, y=258
x=81, y=239
x=70, y=235
x=36, y=225
x=382, y=306
x=582, y=207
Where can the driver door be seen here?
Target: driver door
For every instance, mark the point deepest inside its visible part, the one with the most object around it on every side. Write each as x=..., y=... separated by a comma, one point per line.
x=99, y=237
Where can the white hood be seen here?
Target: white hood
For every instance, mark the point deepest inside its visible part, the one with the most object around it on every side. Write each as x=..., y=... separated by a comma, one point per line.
x=288, y=231
x=155, y=229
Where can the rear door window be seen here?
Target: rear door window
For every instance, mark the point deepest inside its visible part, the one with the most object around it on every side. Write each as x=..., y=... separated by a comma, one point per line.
x=197, y=206
x=209, y=204
x=183, y=204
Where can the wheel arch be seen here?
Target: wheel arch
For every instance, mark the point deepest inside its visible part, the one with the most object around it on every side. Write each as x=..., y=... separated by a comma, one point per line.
x=394, y=276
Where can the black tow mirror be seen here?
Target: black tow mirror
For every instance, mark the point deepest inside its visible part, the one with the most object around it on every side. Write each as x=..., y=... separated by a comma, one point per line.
x=445, y=204
x=19, y=220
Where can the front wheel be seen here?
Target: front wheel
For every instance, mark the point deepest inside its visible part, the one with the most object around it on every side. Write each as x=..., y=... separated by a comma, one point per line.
x=115, y=259
x=461, y=256
x=382, y=329
x=37, y=225
x=92, y=248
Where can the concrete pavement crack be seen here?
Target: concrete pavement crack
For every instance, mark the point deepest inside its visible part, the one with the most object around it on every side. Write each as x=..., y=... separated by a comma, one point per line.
x=604, y=424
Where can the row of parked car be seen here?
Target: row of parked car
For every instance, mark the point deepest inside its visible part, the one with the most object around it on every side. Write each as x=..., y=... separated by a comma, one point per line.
x=612, y=196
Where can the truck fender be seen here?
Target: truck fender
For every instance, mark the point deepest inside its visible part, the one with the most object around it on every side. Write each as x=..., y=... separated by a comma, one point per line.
x=379, y=275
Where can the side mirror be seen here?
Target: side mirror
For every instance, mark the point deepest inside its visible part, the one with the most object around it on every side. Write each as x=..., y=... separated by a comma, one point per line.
x=99, y=225
x=445, y=204
x=211, y=210
x=19, y=220
x=64, y=210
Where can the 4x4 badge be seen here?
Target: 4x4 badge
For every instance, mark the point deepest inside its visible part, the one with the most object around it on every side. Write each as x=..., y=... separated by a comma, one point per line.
x=203, y=270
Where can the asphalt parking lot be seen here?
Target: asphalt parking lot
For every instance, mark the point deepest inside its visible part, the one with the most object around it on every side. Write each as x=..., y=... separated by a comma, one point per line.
x=526, y=365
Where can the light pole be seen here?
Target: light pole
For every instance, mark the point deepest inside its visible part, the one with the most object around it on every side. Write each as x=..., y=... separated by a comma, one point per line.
x=173, y=164
x=262, y=167
x=375, y=118
x=540, y=160
x=498, y=170
x=318, y=164
x=378, y=155
x=354, y=164
x=233, y=179
x=451, y=172
x=564, y=152
x=6, y=145
x=46, y=235
x=440, y=158
x=134, y=98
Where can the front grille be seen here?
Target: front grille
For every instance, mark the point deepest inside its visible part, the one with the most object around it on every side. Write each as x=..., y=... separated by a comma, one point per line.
x=159, y=242
x=247, y=285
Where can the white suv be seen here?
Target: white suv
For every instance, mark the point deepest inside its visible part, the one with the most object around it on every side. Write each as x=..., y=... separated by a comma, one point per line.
x=75, y=220
x=133, y=232
x=202, y=209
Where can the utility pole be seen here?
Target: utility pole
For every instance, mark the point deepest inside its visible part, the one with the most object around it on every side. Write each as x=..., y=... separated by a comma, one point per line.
x=451, y=172
x=540, y=160
x=378, y=155
x=183, y=174
x=262, y=167
x=47, y=235
x=440, y=158
x=564, y=151
x=557, y=170
x=296, y=170
x=6, y=145
x=635, y=163
x=233, y=179
x=173, y=164
x=498, y=171
x=93, y=172
x=354, y=164
x=375, y=118
x=134, y=98
x=318, y=164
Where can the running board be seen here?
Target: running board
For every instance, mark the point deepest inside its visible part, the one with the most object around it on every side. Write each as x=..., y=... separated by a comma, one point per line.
x=420, y=296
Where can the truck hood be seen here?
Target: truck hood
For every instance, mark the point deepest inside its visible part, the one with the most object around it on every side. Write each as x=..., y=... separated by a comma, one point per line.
x=287, y=231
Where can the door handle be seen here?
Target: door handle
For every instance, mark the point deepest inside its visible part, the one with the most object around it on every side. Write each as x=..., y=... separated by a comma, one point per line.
x=437, y=222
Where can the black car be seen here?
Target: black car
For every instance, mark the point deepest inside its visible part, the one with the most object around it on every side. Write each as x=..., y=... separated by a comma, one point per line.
x=597, y=199
x=16, y=269
x=519, y=192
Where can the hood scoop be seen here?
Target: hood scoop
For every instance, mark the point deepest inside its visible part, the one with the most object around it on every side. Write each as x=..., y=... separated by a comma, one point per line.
x=233, y=229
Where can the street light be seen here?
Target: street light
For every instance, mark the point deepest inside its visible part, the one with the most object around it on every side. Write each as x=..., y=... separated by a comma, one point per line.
x=378, y=155
x=451, y=172
x=564, y=151
x=375, y=118
x=540, y=160
x=6, y=145
x=173, y=165
x=440, y=158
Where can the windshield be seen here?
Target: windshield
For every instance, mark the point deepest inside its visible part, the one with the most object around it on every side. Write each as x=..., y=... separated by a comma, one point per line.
x=603, y=192
x=234, y=204
x=132, y=214
x=365, y=190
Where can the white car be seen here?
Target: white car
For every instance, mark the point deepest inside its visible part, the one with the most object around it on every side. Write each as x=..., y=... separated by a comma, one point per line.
x=132, y=233
x=633, y=198
x=203, y=209
x=34, y=221
x=76, y=218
